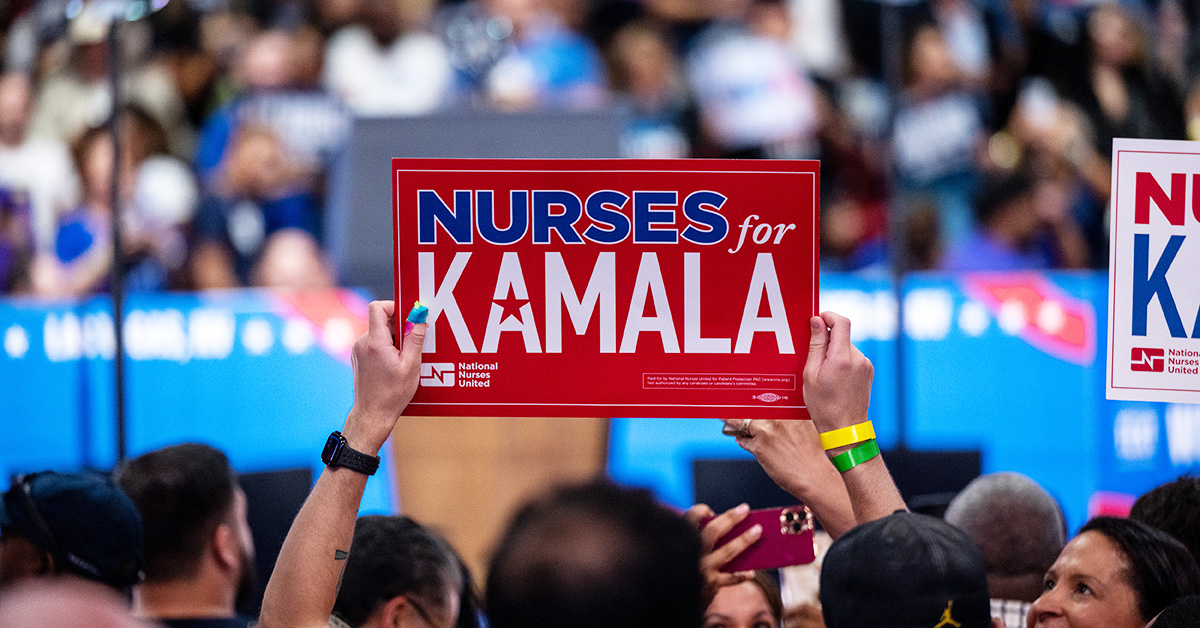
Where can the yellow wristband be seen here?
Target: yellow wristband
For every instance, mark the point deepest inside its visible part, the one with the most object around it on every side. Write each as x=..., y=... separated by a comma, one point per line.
x=847, y=435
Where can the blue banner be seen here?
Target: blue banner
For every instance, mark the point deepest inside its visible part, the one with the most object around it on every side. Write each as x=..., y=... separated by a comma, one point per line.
x=263, y=376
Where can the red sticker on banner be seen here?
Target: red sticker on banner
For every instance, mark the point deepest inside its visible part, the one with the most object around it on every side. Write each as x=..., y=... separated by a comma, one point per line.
x=607, y=288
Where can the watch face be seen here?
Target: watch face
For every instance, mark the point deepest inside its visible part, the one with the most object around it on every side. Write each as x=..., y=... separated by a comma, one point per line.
x=333, y=447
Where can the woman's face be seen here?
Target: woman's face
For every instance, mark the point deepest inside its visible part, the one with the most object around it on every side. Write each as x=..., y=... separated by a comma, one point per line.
x=1114, y=36
x=740, y=606
x=97, y=167
x=1086, y=588
x=931, y=61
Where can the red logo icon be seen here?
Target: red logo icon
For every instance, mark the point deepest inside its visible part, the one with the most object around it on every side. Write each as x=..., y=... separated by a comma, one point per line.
x=1147, y=360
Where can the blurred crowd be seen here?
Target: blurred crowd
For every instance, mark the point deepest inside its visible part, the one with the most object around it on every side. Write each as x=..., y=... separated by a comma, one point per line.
x=977, y=133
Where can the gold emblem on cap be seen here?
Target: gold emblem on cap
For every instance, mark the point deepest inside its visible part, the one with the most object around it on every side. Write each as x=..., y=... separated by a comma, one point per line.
x=947, y=620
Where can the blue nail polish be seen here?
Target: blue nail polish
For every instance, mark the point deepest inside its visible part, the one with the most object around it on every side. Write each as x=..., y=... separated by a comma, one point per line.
x=418, y=314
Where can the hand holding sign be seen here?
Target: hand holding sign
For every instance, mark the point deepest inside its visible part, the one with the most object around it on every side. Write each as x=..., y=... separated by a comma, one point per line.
x=837, y=376
x=385, y=378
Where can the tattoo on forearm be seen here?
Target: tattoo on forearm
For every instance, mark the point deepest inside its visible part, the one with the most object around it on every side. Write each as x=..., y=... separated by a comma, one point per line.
x=340, y=554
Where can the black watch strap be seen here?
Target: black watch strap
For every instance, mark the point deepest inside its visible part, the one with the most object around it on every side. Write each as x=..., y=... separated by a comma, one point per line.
x=358, y=461
x=338, y=453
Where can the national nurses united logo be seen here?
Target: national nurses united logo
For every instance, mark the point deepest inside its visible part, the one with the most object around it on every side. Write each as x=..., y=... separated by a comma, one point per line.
x=437, y=374
x=1147, y=360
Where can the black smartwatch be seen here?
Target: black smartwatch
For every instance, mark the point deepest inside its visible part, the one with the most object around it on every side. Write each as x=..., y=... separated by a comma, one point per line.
x=338, y=453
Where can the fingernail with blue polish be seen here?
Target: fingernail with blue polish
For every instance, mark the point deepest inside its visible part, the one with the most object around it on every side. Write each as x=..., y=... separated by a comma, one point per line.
x=416, y=316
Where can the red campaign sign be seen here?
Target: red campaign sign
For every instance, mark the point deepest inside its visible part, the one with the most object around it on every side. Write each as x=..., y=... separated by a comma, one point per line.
x=609, y=288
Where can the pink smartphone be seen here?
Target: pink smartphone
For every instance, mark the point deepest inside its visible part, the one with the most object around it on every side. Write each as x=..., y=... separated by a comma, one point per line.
x=787, y=539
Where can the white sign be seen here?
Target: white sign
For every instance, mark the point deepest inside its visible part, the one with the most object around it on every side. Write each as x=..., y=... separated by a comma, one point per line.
x=1154, y=272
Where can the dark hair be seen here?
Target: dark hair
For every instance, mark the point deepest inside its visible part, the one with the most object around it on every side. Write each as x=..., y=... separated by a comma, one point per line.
x=1173, y=508
x=1182, y=613
x=146, y=135
x=1160, y=568
x=393, y=556
x=470, y=603
x=999, y=191
x=596, y=555
x=768, y=586
x=184, y=493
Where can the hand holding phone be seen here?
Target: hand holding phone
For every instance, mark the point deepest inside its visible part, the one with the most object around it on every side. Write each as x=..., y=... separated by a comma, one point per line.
x=787, y=539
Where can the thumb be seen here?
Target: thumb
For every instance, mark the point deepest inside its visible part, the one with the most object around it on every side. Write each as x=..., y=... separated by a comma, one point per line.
x=816, y=344
x=413, y=342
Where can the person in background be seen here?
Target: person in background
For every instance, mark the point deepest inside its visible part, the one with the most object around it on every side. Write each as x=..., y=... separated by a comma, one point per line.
x=400, y=573
x=520, y=55
x=383, y=67
x=199, y=550
x=1116, y=573
x=754, y=603
x=1019, y=528
x=905, y=569
x=64, y=603
x=938, y=134
x=278, y=81
x=754, y=98
x=1119, y=89
x=596, y=555
x=16, y=241
x=1051, y=137
x=1174, y=508
x=157, y=197
x=36, y=168
x=161, y=205
x=650, y=92
x=328, y=16
x=81, y=260
x=258, y=224
x=853, y=232
x=1023, y=222
x=75, y=96
x=291, y=259
x=69, y=524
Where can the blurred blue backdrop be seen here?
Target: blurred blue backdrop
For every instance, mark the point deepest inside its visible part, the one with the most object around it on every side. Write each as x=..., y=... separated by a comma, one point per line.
x=1010, y=365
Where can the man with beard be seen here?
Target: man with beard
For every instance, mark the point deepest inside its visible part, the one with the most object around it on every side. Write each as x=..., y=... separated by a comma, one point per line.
x=199, y=551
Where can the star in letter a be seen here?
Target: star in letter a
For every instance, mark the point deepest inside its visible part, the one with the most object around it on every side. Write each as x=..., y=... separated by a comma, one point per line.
x=511, y=307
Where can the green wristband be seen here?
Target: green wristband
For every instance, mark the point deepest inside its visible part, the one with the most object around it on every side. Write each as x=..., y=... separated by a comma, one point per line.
x=849, y=459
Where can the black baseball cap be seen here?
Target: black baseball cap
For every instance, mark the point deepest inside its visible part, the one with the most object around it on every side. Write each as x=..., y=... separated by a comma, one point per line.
x=84, y=520
x=905, y=571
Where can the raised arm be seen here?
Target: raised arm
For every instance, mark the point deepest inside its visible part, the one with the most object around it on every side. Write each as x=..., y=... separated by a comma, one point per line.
x=790, y=452
x=303, y=587
x=837, y=389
